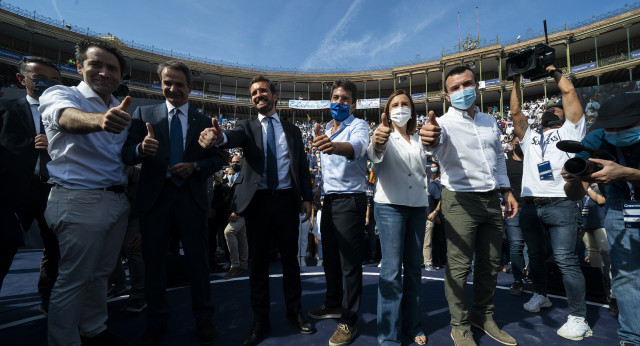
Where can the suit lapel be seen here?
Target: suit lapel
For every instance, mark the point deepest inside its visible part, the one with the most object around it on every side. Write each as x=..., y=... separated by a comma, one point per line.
x=161, y=117
x=24, y=109
x=256, y=129
x=292, y=149
x=191, y=127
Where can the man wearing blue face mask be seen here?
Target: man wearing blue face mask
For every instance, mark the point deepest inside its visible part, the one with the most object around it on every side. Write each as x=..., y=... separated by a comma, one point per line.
x=620, y=118
x=473, y=174
x=23, y=171
x=344, y=166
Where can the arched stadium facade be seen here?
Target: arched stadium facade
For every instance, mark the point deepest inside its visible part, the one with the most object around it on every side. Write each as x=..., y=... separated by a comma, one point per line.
x=599, y=52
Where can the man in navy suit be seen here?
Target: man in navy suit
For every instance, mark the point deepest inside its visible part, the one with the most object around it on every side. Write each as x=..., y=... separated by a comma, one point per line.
x=173, y=193
x=23, y=172
x=272, y=188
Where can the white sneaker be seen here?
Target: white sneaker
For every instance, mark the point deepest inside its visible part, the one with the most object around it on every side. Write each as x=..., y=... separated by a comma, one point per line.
x=575, y=329
x=319, y=264
x=536, y=302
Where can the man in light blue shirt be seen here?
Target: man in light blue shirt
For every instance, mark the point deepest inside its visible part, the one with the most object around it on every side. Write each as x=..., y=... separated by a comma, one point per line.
x=343, y=157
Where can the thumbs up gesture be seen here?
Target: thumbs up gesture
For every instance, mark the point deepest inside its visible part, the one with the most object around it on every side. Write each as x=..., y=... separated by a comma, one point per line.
x=211, y=135
x=381, y=136
x=430, y=132
x=149, y=145
x=116, y=119
x=321, y=141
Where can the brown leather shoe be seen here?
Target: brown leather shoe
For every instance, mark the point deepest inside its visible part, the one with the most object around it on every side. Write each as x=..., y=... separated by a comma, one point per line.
x=462, y=337
x=491, y=328
x=233, y=272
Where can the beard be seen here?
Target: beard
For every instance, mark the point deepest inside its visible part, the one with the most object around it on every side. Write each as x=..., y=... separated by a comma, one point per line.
x=266, y=107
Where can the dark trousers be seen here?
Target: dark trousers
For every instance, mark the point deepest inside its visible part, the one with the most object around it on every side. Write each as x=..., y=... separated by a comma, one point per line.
x=270, y=217
x=342, y=244
x=175, y=206
x=32, y=208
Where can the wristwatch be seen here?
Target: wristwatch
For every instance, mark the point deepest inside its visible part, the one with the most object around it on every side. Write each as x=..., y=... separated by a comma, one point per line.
x=505, y=189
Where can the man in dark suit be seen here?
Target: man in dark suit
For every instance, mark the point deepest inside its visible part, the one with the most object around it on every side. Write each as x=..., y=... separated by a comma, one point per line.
x=23, y=171
x=272, y=187
x=173, y=193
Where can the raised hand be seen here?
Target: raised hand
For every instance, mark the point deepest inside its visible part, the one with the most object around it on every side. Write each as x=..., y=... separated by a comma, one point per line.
x=381, y=136
x=321, y=141
x=149, y=145
x=116, y=119
x=211, y=135
x=430, y=133
x=182, y=169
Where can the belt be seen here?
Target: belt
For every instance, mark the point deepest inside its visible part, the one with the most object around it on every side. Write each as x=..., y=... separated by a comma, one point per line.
x=543, y=200
x=269, y=192
x=332, y=196
x=113, y=188
x=487, y=193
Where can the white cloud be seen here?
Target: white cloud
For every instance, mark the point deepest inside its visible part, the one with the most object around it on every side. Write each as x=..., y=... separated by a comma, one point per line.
x=55, y=7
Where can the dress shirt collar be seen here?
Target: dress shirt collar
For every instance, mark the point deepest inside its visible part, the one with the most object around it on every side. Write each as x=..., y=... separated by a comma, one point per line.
x=184, y=108
x=275, y=117
x=32, y=101
x=346, y=122
x=89, y=93
x=461, y=113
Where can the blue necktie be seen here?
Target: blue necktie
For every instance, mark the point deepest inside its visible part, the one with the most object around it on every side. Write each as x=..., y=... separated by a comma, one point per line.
x=272, y=162
x=175, y=142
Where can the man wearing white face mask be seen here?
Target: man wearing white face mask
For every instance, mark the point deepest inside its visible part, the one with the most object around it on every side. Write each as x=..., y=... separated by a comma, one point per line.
x=473, y=173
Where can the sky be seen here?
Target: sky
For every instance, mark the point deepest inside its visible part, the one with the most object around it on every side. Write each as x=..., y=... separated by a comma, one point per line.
x=308, y=35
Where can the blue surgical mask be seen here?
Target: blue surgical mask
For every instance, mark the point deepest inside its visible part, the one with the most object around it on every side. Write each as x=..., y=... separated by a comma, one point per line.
x=340, y=111
x=463, y=99
x=40, y=85
x=623, y=138
x=434, y=169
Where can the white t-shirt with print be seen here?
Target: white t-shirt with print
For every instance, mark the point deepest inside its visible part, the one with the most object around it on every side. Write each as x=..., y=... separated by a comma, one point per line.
x=530, y=144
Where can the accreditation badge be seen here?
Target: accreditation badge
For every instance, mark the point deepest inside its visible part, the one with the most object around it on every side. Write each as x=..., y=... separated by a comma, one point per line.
x=544, y=169
x=631, y=214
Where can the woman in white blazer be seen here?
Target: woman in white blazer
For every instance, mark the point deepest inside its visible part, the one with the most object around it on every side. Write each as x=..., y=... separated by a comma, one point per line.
x=401, y=213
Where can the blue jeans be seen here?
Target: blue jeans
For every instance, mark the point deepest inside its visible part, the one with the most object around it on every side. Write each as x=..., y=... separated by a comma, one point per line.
x=516, y=247
x=559, y=221
x=624, y=248
x=401, y=236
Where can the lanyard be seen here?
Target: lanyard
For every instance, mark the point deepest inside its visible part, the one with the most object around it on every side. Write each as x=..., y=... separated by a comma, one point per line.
x=624, y=163
x=543, y=145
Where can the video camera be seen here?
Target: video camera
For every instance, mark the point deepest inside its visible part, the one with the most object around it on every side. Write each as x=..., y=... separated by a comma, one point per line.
x=578, y=166
x=531, y=62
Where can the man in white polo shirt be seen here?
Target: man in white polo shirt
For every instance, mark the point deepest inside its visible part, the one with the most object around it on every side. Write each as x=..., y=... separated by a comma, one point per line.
x=87, y=208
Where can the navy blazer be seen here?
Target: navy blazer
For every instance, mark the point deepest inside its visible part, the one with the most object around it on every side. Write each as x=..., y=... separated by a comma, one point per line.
x=154, y=168
x=248, y=135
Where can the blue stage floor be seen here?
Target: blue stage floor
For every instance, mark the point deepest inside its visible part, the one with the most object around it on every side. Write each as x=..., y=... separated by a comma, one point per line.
x=22, y=324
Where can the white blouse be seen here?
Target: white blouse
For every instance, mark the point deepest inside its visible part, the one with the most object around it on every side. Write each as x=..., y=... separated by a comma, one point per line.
x=400, y=171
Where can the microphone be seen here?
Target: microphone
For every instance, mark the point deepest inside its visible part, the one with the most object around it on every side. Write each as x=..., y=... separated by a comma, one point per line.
x=575, y=147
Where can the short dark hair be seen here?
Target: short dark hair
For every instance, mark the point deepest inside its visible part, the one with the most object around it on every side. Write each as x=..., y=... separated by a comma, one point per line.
x=23, y=65
x=176, y=65
x=412, y=123
x=458, y=70
x=346, y=84
x=84, y=45
x=260, y=78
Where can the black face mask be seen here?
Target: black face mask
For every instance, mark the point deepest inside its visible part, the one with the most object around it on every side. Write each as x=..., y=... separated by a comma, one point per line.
x=40, y=85
x=518, y=150
x=236, y=168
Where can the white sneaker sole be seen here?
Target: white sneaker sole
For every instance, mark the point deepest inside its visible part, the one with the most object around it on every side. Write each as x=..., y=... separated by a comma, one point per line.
x=543, y=306
x=586, y=334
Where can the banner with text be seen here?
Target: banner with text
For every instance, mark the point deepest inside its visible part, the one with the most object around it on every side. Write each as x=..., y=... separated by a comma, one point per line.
x=367, y=103
x=304, y=104
x=583, y=67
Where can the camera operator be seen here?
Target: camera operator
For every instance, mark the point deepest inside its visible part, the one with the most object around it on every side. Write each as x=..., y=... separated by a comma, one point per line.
x=620, y=118
x=546, y=211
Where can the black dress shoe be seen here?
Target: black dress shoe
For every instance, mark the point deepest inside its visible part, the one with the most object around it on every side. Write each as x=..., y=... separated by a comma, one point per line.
x=152, y=336
x=257, y=333
x=206, y=332
x=301, y=324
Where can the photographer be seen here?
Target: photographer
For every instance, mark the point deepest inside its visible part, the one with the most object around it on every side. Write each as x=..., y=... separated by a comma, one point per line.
x=621, y=178
x=546, y=211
